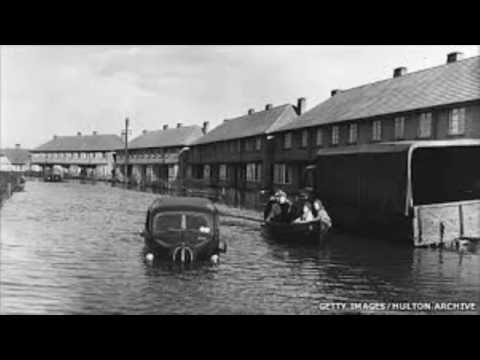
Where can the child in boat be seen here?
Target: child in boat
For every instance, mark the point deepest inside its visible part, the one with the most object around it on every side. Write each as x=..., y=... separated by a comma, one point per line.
x=319, y=212
x=307, y=214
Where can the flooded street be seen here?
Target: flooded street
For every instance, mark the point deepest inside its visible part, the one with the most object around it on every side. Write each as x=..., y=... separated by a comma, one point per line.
x=71, y=248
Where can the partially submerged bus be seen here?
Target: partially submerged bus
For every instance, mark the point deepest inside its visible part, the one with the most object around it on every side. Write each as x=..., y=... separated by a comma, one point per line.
x=425, y=192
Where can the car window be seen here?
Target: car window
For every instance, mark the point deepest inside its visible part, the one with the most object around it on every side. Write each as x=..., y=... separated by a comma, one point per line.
x=198, y=222
x=167, y=221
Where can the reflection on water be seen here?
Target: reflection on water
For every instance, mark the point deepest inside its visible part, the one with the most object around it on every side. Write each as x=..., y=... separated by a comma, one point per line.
x=74, y=248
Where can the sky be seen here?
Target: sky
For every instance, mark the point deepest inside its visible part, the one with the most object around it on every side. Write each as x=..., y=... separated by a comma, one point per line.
x=60, y=90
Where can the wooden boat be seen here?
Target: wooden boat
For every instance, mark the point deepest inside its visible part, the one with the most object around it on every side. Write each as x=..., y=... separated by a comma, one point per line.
x=305, y=231
x=183, y=229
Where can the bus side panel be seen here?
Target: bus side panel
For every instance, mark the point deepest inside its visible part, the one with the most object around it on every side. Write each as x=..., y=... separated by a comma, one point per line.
x=366, y=193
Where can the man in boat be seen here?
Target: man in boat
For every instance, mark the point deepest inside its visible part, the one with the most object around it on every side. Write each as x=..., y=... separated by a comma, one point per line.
x=280, y=211
x=268, y=207
x=319, y=212
x=298, y=207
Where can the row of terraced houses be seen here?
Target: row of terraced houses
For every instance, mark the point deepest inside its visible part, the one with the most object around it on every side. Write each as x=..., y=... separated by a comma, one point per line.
x=271, y=148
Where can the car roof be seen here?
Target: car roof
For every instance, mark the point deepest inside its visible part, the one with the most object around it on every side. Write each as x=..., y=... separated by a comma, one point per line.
x=183, y=203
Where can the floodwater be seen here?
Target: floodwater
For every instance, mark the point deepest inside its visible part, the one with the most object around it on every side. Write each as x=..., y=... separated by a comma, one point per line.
x=71, y=248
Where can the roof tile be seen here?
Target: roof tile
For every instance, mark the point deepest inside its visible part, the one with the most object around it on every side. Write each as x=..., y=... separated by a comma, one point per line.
x=82, y=143
x=261, y=122
x=16, y=156
x=441, y=85
x=181, y=136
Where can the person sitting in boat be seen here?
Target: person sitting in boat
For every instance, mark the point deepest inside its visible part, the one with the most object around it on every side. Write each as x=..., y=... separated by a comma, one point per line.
x=268, y=207
x=296, y=210
x=307, y=214
x=280, y=211
x=319, y=212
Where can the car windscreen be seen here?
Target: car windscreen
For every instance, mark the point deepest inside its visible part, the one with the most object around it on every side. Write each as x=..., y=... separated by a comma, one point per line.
x=175, y=221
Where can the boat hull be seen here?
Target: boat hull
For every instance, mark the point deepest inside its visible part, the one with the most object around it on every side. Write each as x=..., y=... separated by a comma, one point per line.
x=295, y=232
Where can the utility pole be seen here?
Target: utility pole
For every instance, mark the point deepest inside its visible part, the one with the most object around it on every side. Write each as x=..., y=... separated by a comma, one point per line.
x=125, y=132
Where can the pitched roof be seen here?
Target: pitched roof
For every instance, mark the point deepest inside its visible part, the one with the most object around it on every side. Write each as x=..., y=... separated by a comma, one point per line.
x=261, y=122
x=398, y=146
x=16, y=155
x=82, y=143
x=441, y=85
x=164, y=138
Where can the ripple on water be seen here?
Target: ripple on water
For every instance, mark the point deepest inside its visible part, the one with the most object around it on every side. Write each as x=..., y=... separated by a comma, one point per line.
x=74, y=248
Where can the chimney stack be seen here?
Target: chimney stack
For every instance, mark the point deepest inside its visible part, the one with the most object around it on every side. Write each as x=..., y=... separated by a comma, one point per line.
x=454, y=57
x=79, y=133
x=144, y=131
x=400, y=71
x=94, y=132
x=179, y=125
x=268, y=107
x=205, y=127
x=251, y=111
x=165, y=127
x=334, y=92
x=301, y=105
x=17, y=146
x=54, y=136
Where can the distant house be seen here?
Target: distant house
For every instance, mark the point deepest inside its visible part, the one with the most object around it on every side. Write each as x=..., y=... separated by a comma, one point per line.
x=80, y=155
x=5, y=164
x=18, y=158
x=441, y=102
x=237, y=154
x=154, y=156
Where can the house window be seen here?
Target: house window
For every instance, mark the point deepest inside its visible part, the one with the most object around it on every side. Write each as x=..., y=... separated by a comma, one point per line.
x=287, y=140
x=254, y=171
x=172, y=172
x=206, y=172
x=425, y=125
x=399, y=127
x=258, y=143
x=189, y=171
x=377, y=130
x=222, y=172
x=282, y=174
x=198, y=172
x=319, y=137
x=335, y=135
x=456, y=122
x=352, y=133
x=247, y=145
x=304, y=142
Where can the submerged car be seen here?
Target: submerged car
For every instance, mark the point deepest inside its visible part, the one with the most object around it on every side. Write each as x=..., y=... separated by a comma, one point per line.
x=52, y=175
x=184, y=229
